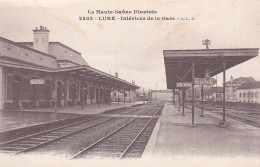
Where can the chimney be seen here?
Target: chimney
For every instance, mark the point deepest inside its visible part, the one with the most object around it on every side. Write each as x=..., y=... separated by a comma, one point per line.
x=116, y=74
x=41, y=39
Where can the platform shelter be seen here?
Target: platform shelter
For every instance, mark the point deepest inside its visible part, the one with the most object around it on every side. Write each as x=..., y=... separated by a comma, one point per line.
x=191, y=65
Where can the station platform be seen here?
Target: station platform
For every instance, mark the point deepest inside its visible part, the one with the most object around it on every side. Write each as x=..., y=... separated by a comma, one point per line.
x=173, y=136
x=10, y=120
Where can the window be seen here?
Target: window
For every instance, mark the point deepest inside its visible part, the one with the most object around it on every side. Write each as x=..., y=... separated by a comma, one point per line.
x=114, y=94
x=252, y=95
x=256, y=94
x=240, y=94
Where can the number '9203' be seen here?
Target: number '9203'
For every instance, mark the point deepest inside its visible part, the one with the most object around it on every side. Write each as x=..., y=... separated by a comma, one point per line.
x=85, y=18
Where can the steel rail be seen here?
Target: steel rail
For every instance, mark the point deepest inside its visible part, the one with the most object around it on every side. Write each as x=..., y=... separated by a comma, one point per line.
x=105, y=137
x=47, y=131
x=51, y=130
x=58, y=138
x=69, y=134
x=100, y=140
x=240, y=120
x=134, y=140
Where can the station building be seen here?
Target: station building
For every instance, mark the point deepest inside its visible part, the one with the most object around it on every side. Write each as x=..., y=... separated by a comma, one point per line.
x=51, y=74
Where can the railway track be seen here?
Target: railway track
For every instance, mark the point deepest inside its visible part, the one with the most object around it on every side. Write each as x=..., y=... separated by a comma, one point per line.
x=250, y=118
x=38, y=140
x=127, y=140
x=31, y=142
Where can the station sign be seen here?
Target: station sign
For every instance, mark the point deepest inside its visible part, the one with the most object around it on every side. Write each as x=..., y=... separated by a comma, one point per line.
x=233, y=85
x=204, y=81
x=183, y=84
x=37, y=81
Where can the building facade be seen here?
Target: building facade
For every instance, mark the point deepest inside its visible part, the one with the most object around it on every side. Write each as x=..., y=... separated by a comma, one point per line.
x=161, y=95
x=249, y=92
x=233, y=85
x=123, y=96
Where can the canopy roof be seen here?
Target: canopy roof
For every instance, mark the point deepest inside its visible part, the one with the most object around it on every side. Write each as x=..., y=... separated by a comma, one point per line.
x=178, y=62
x=83, y=72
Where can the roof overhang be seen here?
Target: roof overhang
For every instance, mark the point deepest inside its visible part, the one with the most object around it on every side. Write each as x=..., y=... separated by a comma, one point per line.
x=81, y=72
x=178, y=62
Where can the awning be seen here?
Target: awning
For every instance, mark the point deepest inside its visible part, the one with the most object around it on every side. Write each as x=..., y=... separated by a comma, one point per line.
x=178, y=62
x=81, y=72
x=93, y=75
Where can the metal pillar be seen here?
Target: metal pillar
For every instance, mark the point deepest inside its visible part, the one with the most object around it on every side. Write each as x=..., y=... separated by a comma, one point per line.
x=179, y=99
x=224, y=92
x=202, y=97
x=99, y=91
x=66, y=92
x=117, y=95
x=192, y=89
x=173, y=97
x=124, y=96
x=86, y=98
x=82, y=96
x=143, y=95
x=183, y=99
x=110, y=99
x=130, y=101
x=91, y=94
x=55, y=95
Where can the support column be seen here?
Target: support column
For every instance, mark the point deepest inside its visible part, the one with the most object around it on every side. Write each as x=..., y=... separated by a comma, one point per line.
x=99, y=94
x=95, y=94
x=192, y=89
x=202, y=98
x=179, y=99
x=124, y=96
x=55, y=95
x=110, y=99
x=82, y=96
x=130, y=96
x=86, y=97
x=2, y=87
x=117, y=95
x=224, y=92
x=173, y=96
x=66, y=92
x=183, y=99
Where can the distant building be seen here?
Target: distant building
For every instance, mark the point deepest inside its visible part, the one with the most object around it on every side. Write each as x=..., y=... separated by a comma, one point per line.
x=249, y=92
x=128, y=96
x=162, y=94
x=233, y=85
x=217, y=93
x=207, y=92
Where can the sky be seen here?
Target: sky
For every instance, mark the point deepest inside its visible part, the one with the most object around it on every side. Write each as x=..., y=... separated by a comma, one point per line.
x=134, y=49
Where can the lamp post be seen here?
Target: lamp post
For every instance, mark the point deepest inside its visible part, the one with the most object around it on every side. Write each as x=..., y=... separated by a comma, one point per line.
x=206, y=42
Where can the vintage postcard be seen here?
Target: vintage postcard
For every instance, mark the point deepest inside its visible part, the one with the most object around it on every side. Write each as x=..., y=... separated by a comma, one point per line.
x=129, y=83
